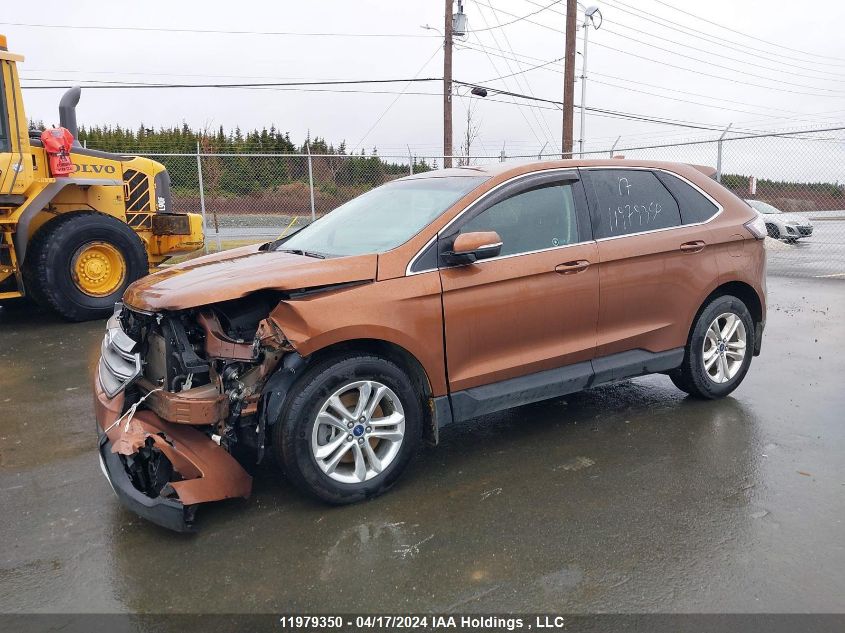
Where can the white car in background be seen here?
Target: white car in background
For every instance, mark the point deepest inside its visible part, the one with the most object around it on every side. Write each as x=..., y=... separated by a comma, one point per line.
x=789, y=227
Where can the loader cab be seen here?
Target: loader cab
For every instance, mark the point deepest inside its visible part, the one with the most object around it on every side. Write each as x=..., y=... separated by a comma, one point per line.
x=4, y=117
x=15, y=160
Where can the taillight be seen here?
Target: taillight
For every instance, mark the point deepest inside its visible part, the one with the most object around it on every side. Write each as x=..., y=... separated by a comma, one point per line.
x=757, y=227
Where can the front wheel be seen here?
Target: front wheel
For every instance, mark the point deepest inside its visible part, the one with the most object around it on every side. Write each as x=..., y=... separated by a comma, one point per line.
x=719, y=350
x=351, y=425
x=80, y=263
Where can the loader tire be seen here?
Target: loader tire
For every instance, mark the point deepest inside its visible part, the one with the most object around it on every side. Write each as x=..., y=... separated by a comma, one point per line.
x=79, y=264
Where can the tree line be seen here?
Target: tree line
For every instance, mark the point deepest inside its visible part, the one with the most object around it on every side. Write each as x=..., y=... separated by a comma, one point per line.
x=332, y=166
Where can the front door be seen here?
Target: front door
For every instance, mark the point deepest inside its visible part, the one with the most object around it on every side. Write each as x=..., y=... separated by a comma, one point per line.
x=535, y=306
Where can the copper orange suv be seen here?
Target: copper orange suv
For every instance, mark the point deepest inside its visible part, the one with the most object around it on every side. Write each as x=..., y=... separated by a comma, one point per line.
x=431, y=299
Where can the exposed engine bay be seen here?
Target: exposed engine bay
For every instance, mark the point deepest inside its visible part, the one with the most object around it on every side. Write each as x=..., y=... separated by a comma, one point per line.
x=204, y=367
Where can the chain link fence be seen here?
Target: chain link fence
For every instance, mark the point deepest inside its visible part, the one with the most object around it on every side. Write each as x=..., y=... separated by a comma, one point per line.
x=794, y=178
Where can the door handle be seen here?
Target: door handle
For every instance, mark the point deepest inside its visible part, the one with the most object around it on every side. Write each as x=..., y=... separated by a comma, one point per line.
x=693, y=247
x=569, y=268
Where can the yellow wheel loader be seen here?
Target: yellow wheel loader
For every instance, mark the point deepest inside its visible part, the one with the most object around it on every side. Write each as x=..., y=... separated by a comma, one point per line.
x=73, y=243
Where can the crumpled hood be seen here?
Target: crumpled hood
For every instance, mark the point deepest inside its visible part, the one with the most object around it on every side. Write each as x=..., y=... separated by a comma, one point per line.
x=239, y=272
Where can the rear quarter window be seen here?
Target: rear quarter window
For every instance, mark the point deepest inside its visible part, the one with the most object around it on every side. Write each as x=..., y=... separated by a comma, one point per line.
x=695, y=206
x=630, y=201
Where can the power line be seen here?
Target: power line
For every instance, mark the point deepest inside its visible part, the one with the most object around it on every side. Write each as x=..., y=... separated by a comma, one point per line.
x=738, y=81
x=646, y=118
x=208, y=31
x=154, y=74
x=526, y=70
x=675, y=26
x=630, y=115
x=697, y=59
x=128, y=85
x=495, y=68
x=728, y=57
x=727, y=28
x=392, y=103
x=538, y=116
x=734, y=138
x=514, y=15
x=692, y=94
x=722, y=43
x=520, y=19
x=696, y=103
x=304, y=85
x=741, y=61
x=840, y=93
x=545, y=66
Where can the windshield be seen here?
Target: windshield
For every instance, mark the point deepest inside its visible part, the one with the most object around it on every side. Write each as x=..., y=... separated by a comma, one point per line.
x=763, y=207
x=383, y=218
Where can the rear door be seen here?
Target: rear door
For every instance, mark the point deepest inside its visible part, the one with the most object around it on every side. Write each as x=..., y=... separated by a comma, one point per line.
x=535, y=306
x=654, y=267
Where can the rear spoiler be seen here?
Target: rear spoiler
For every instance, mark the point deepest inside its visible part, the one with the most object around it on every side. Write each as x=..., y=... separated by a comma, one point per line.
x=710, y=172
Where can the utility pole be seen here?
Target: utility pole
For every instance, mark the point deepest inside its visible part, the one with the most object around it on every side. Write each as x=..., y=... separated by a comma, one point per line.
x=589, y=15
x=447, y=87
x=569, y=80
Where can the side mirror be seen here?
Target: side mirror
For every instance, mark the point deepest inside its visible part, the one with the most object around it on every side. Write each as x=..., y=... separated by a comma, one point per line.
x=470, y=247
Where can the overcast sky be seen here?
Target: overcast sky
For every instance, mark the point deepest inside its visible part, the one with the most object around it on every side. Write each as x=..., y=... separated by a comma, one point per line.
x=767, y=88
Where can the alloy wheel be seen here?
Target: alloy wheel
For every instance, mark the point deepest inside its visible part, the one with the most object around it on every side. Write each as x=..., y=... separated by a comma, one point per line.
x=724, y=347
x=358, y=431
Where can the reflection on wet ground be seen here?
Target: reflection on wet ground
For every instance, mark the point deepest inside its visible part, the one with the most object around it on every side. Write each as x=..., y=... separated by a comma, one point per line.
x=623, y=498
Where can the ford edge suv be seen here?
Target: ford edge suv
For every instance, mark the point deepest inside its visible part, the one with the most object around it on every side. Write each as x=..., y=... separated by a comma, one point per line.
x=431, y=299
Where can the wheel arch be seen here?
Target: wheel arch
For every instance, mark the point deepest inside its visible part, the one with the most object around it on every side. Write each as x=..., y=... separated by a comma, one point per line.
x=741, y=290
x=40, y=201
x=388, y=350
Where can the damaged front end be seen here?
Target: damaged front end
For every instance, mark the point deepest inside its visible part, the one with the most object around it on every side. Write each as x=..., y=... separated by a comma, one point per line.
x=177, y=396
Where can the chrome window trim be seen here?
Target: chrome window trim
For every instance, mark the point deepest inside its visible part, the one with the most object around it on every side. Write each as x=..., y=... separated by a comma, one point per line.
x=719, y=207
x=471, y=206
x=539, y=250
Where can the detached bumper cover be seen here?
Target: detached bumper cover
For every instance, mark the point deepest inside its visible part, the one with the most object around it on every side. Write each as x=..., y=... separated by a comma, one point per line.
x=167, y=513
x=206, y=472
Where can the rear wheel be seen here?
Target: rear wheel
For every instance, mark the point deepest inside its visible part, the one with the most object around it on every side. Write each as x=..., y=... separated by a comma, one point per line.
x=719, y=351
x=351, y=425
x=79, y=264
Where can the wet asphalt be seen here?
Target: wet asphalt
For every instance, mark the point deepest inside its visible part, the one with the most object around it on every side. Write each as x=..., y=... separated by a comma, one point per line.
x=625, y=498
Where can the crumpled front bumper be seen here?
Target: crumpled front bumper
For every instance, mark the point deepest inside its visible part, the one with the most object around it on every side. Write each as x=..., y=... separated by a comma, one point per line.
x=207, y=472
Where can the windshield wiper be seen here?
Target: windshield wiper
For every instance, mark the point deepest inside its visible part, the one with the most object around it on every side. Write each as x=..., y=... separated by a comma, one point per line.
x=297, y=251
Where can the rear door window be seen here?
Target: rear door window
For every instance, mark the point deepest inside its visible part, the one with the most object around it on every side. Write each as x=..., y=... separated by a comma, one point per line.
x=695, y=207
x=627, y=201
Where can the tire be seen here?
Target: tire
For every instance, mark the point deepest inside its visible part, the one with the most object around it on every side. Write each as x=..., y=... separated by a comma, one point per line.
x=296, y=432
x=773, y=231
x=53, y=252
x=692, y=376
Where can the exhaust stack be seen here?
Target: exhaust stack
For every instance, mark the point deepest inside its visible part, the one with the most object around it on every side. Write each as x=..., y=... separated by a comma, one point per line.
x=67, y=112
